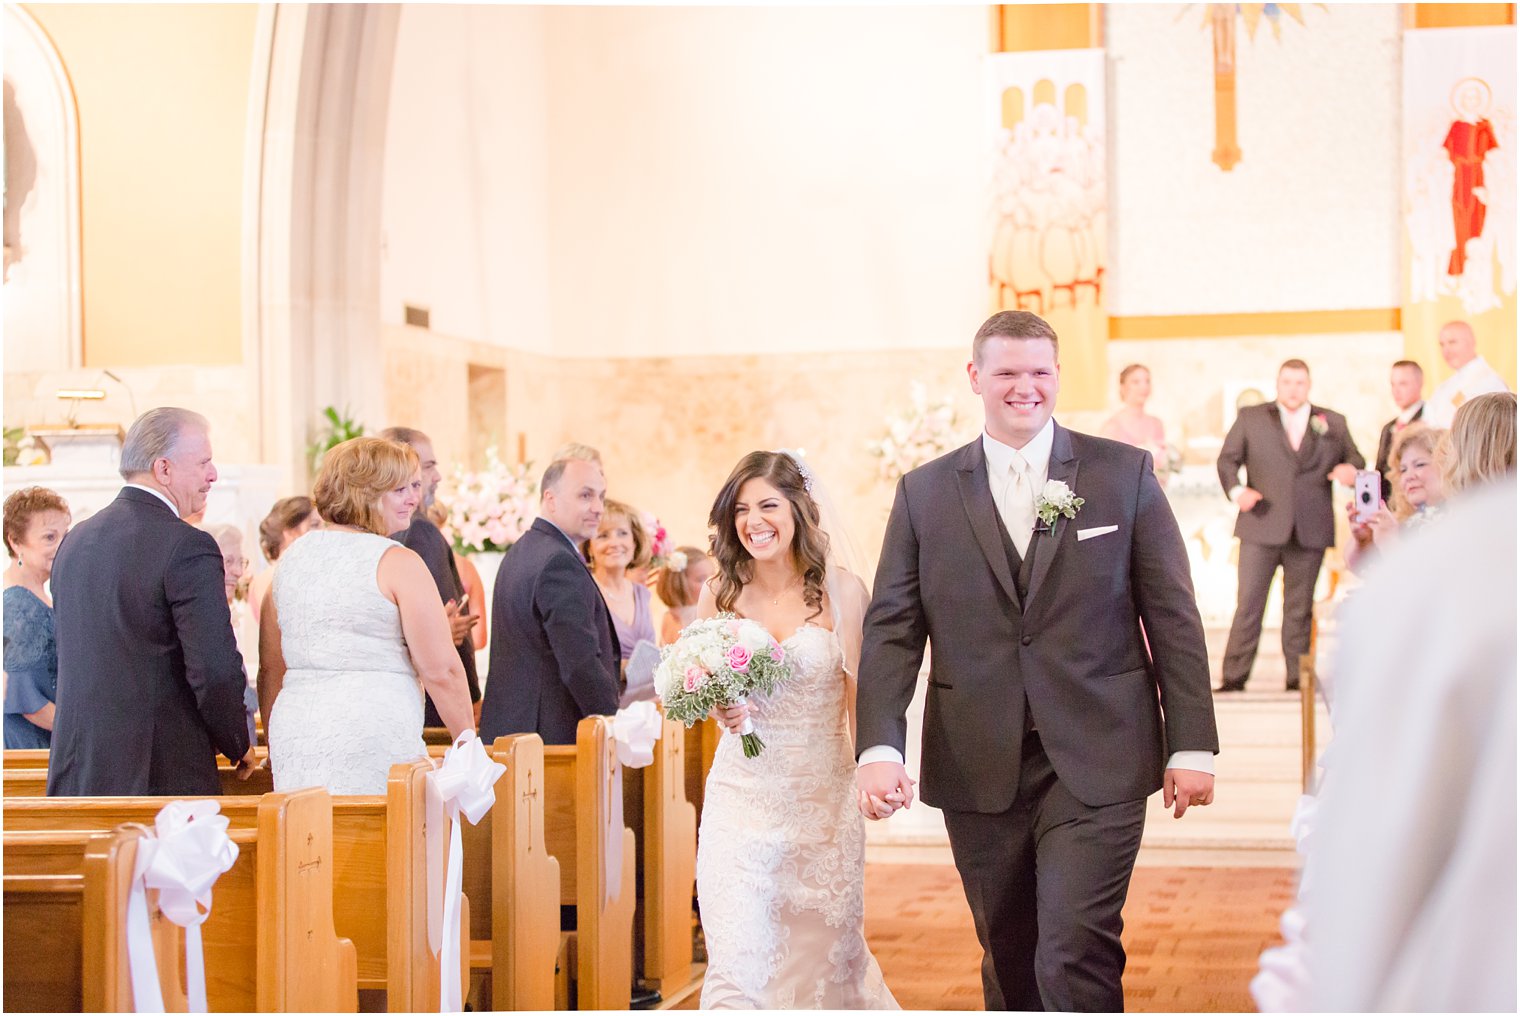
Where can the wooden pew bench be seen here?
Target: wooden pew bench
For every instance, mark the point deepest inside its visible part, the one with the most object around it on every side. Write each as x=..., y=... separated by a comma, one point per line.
x=379, y=859
x=269, y=943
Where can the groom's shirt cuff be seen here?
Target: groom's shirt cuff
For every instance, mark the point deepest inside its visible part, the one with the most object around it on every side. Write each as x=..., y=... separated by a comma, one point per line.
x=1198, y=761
x=887, y=753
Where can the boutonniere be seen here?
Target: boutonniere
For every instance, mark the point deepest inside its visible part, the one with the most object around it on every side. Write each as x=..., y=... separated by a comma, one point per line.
x=1056, y=499
x=1320, y=424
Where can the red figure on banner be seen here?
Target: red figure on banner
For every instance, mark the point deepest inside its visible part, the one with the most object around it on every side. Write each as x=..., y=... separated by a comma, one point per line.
x=1470, y=139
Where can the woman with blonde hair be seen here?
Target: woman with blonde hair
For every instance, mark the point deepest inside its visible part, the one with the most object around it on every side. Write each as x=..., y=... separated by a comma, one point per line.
x=1418, y=491
x=1482, y=442
x=352, y=623
x=619, y=545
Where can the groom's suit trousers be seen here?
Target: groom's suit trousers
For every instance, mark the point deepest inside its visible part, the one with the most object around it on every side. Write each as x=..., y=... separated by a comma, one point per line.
x=1052, y=943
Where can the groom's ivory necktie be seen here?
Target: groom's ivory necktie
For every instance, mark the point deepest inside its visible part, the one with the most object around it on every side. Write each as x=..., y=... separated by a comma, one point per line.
x=1018, y=505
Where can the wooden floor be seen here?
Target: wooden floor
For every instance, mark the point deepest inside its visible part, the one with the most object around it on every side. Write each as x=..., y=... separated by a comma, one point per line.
x=1193, y=936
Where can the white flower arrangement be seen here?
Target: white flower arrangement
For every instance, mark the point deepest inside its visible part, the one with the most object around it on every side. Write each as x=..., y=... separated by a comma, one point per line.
x=925, y=431
x=1057, y=499
x=489, y=510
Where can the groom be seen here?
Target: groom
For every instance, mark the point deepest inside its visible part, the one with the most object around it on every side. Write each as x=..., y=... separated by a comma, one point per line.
x=1050, y=714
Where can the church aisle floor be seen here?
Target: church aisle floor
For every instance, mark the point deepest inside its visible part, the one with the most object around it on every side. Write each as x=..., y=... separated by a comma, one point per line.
x=1193, y=936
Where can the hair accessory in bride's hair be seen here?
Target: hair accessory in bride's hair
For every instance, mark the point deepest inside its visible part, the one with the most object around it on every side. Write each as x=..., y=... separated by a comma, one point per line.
x=807, y=474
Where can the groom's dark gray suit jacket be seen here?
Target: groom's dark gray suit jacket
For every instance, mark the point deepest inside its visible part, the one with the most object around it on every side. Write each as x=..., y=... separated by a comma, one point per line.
x=1069, y=650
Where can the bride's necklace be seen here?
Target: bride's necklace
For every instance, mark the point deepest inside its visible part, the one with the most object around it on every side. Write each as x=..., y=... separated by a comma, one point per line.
x=776, y=601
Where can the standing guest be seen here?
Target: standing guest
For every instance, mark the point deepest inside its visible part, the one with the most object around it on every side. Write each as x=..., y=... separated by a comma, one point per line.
x=1482, y=442
x=36, y=520
x=1473, y=377
x=1406, y=380
x=680, y=587
x=1291, y=451
x=582, y=452
x=1132, y=424
x=1418, y=492
x=423, y=536
x=150, y=681
x=620, y=542
x=229, y=540
x=353, y=624
x=469, y=577
x=554, y=657
x=289, y=520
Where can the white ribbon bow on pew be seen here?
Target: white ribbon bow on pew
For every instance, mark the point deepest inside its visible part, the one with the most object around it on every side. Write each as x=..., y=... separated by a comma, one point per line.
x=465, y=784
x=188, y=851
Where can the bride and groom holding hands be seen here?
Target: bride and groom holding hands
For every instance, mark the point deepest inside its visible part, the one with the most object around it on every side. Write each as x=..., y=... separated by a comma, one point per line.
x=1069, y=681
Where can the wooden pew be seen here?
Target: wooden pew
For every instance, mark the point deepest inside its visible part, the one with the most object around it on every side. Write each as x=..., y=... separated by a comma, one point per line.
x=269, y=943
x=581, y=784
x=25, y=775
x=665, y=825
x=380, y=873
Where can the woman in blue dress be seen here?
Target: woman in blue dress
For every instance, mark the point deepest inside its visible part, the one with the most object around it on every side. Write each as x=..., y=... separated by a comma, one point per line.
x=36, y=520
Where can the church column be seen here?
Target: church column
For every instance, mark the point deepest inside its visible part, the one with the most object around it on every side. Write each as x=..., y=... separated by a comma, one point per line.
x=321, y=88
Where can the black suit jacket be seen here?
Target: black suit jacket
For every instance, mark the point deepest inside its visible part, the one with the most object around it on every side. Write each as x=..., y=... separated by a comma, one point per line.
x=554, y=650
x=1385, y=445
x=427, y=541
x=150, y=681
x=1071, y=653
x=1295, y=486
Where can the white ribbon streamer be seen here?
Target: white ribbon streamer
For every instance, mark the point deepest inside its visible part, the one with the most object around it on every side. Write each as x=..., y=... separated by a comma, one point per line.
x=188, y=851
x=465, y=784
x=636, y=728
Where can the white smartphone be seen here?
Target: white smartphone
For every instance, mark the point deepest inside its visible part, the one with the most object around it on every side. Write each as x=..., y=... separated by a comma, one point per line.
x=1367, y=493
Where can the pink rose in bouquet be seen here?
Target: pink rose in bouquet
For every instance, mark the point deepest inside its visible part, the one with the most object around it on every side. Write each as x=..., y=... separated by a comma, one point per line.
x=738, y=659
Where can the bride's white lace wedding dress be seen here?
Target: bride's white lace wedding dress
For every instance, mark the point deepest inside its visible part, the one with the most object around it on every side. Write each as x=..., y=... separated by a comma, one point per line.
x=351, y=705
x=781, y=852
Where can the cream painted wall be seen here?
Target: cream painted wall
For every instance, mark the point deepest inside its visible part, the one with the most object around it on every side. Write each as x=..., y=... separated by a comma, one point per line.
x=765, y=180
x=1309, y=219
x=466, y=201
x=163, y=100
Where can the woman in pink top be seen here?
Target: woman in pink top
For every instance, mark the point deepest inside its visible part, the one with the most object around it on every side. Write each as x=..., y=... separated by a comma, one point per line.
x=1131, y=424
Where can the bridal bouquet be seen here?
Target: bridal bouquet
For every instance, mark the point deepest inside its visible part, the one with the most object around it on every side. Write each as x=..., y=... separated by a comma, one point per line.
x=718, y=661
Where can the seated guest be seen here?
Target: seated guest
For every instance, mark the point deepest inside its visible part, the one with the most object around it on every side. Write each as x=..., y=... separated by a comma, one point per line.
x=150, y=681
x=1415, y=475
x=679, y=588
x=289, y=520
x=36, y=520
x=353, y=622
x=619, y=544
x=1132, y=424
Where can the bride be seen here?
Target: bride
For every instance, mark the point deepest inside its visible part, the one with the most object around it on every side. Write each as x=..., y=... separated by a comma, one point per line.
x=781, y=850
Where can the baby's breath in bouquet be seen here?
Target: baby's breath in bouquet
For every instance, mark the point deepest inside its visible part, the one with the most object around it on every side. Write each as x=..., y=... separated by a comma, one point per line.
x=719, y=661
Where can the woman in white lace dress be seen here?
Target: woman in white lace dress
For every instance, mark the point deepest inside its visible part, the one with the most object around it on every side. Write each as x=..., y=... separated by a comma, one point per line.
x=781, y=850
x=351, y=623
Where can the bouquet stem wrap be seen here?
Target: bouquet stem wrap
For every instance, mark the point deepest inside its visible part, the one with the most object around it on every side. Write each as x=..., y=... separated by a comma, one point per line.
x=753, y=746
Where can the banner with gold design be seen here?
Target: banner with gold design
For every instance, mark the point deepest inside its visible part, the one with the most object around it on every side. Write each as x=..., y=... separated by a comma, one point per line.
x=1459, y=204
x=1048, y=214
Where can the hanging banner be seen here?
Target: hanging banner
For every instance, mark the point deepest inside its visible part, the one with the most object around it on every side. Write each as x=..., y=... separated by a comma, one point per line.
x=1459, y=192
x=1048, y=216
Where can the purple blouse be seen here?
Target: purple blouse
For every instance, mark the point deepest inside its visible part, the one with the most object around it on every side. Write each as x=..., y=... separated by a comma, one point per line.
x=642, y=628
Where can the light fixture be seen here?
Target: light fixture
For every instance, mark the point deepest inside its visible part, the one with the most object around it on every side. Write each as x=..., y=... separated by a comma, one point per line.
x=74, y=396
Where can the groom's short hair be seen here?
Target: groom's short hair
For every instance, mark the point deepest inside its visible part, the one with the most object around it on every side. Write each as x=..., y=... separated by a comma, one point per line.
x=1013, y=324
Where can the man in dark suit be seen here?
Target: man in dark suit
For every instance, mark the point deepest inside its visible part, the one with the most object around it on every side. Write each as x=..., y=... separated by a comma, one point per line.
x=554, y=656
x=427, y=540
x=1048, y=720
x=1291, y=452
x=1406, y=382
x=150, y=681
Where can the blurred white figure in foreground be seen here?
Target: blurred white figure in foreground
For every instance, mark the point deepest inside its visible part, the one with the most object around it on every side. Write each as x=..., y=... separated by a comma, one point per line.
x=1409, y=886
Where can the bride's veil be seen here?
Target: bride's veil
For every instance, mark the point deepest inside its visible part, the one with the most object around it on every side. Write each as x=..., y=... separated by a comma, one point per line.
x=849, y=576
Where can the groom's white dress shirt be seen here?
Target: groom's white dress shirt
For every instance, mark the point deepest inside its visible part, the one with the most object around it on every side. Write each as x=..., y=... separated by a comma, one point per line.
x=1005, y=463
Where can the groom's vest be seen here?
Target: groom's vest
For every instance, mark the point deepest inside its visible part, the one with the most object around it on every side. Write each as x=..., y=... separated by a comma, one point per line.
x=1021, y=568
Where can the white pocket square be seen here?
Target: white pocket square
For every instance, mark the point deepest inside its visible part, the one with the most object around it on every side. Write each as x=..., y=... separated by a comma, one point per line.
x=1088, y=534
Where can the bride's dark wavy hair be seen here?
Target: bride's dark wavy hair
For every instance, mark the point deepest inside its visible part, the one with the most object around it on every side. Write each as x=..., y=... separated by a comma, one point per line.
x=810, y=544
